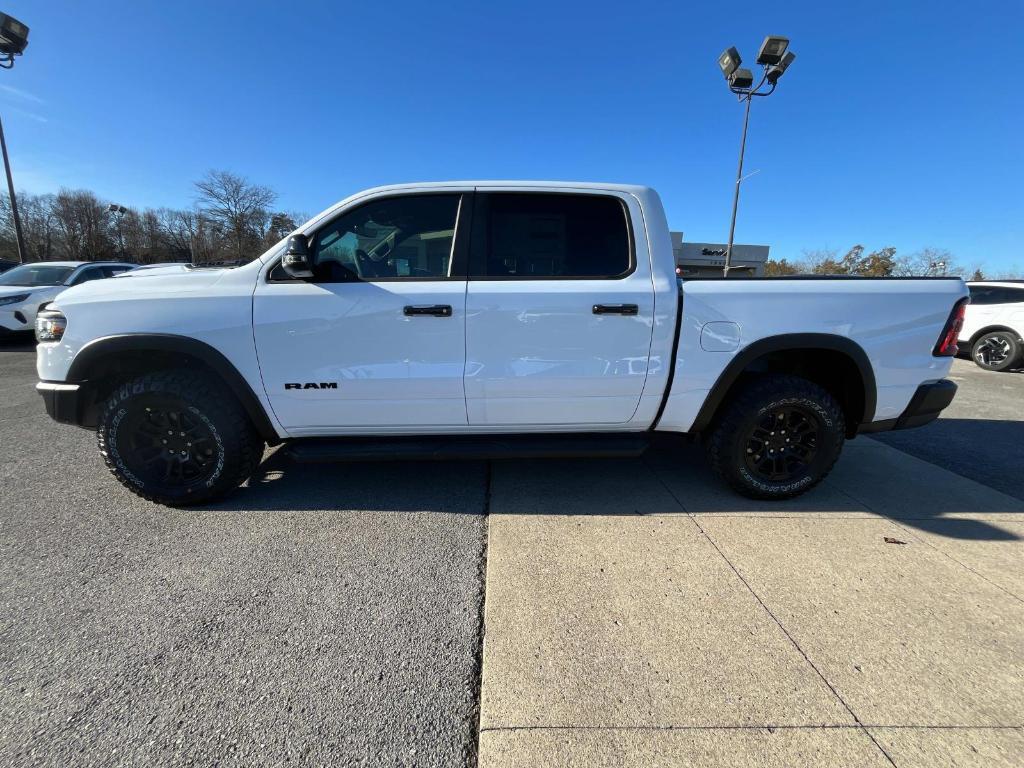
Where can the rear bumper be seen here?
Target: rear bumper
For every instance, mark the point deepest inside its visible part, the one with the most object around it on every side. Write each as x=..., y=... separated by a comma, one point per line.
x=925, y=406
x=62, y=401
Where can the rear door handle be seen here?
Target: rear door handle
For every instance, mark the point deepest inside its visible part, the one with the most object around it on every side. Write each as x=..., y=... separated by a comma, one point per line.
x=616, y=309
x=437, y=310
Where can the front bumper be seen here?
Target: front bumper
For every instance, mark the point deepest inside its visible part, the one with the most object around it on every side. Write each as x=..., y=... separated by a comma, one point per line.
x=925, y=406
x=63, y=401
x=18, y=318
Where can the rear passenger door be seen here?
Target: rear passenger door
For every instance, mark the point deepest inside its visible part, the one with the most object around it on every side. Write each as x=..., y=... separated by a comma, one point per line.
x=559, y=309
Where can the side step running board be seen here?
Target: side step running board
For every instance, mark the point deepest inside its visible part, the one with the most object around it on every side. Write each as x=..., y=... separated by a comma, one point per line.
x=474, y=447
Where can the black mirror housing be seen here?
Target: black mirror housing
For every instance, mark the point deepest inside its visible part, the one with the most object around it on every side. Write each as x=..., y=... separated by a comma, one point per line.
x=295, y=261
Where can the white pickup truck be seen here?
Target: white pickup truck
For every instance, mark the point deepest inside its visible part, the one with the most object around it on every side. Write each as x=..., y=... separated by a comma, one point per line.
x=488, y=319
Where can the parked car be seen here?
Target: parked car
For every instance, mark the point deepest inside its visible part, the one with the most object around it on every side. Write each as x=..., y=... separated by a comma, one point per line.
x=25, y=288
x=5, y=265
x=488, y=319
x=993, y=332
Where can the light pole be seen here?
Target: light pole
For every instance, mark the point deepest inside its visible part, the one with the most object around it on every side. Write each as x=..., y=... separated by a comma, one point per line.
x=775, y=60
x=119, y=211
x=13, y=40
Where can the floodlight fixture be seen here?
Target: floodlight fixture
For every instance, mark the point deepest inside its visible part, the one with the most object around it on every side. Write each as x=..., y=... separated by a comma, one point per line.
x=741, y=78
x=772, y=50
x=777, y=71
x=13, y=39
x=729, y=62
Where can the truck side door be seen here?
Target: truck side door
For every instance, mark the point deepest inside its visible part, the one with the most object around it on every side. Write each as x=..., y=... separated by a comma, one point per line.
x=560, y=306
x=375, y=341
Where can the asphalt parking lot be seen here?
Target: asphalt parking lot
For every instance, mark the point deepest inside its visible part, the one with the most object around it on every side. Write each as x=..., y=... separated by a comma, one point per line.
x=635, y=613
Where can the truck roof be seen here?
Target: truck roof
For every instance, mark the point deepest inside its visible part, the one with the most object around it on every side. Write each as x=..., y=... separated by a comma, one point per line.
x=513, y=183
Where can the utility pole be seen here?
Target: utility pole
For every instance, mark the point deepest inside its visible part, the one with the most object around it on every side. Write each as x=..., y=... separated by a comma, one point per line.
x=736, y=192
x=14, y=199
x=13, y=41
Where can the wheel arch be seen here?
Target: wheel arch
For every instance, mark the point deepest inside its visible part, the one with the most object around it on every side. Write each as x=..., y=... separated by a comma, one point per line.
x=105, y=361
x=844, y=369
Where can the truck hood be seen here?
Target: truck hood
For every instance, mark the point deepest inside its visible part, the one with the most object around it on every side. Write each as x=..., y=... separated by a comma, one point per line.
x=162, y=281
x=170, y=269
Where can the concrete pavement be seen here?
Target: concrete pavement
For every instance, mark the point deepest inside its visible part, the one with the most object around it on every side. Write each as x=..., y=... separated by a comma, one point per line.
x=639, y=614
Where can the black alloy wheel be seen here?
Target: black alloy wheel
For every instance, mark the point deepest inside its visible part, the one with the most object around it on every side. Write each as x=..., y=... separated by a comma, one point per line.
x=782, y=444
x=168, y=443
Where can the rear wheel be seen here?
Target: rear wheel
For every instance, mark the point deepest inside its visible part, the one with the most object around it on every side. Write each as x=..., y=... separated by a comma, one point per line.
x=996, y=351
x=779, y=437
x=177, y=438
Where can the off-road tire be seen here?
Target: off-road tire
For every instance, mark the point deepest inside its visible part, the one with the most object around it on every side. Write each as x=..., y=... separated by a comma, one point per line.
x=1006, y=340
x=238, y=446
x=761, y=396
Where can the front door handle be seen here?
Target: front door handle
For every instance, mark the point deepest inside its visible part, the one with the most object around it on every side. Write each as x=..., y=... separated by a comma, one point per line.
x=616, y=309
x=437, y=310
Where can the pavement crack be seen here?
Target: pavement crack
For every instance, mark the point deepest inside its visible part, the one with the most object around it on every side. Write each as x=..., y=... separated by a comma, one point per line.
x=778, y=623
x=476, y=681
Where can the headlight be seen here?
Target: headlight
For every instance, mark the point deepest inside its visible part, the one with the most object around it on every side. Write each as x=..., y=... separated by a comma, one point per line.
x=14, y=299
x=50, y=325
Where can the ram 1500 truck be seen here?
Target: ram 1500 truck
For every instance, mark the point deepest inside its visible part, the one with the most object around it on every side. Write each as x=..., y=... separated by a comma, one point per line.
x=488, y=319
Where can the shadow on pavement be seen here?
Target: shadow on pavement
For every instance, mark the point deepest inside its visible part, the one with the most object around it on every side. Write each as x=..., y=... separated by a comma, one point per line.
x=18, y=343
x=281, y=485
x=989, y=451
x=670, y=479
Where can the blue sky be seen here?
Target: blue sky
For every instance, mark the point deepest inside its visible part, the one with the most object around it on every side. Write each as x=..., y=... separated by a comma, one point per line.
x=897, y=125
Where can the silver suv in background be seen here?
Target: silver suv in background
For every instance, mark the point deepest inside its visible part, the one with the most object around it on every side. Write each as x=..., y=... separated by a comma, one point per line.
x=24, y=289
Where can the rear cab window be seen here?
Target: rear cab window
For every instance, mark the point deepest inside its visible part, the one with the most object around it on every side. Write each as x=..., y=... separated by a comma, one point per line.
x=536, y=236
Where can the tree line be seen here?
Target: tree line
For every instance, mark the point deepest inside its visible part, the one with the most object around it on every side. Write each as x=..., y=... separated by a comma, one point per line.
x=881, y=263
x=232, y=222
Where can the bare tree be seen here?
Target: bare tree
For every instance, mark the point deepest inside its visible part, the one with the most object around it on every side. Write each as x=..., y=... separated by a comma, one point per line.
x=240, y=207
x=928, y=262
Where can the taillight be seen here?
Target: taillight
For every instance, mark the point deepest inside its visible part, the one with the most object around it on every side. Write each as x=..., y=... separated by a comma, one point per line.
x=946, y=346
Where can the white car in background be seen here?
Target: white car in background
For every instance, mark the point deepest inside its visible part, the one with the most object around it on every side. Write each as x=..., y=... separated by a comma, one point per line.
x=27, y=287
x=993, y=330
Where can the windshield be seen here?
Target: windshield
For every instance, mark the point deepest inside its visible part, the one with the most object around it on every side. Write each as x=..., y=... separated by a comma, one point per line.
x=36, y=274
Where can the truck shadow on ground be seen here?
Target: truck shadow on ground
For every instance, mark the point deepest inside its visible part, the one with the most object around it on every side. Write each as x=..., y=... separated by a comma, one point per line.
x=18, y=343
x=667, y=480
x=988, y=451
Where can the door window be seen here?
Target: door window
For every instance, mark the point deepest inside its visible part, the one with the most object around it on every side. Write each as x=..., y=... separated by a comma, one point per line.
x=392, y=238
x=87, y=274
x=537, y=236
x=982, y=295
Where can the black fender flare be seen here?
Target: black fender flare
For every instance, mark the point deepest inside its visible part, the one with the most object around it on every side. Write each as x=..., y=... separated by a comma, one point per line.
x=90, y=357
x=784, y=343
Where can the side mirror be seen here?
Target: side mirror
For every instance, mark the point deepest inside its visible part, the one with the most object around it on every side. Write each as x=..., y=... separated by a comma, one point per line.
x=296, y=262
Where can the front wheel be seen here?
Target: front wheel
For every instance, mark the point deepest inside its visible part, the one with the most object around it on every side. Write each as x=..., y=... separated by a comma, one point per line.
x=996, y=351
x=779, y=437
x=177, y=438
